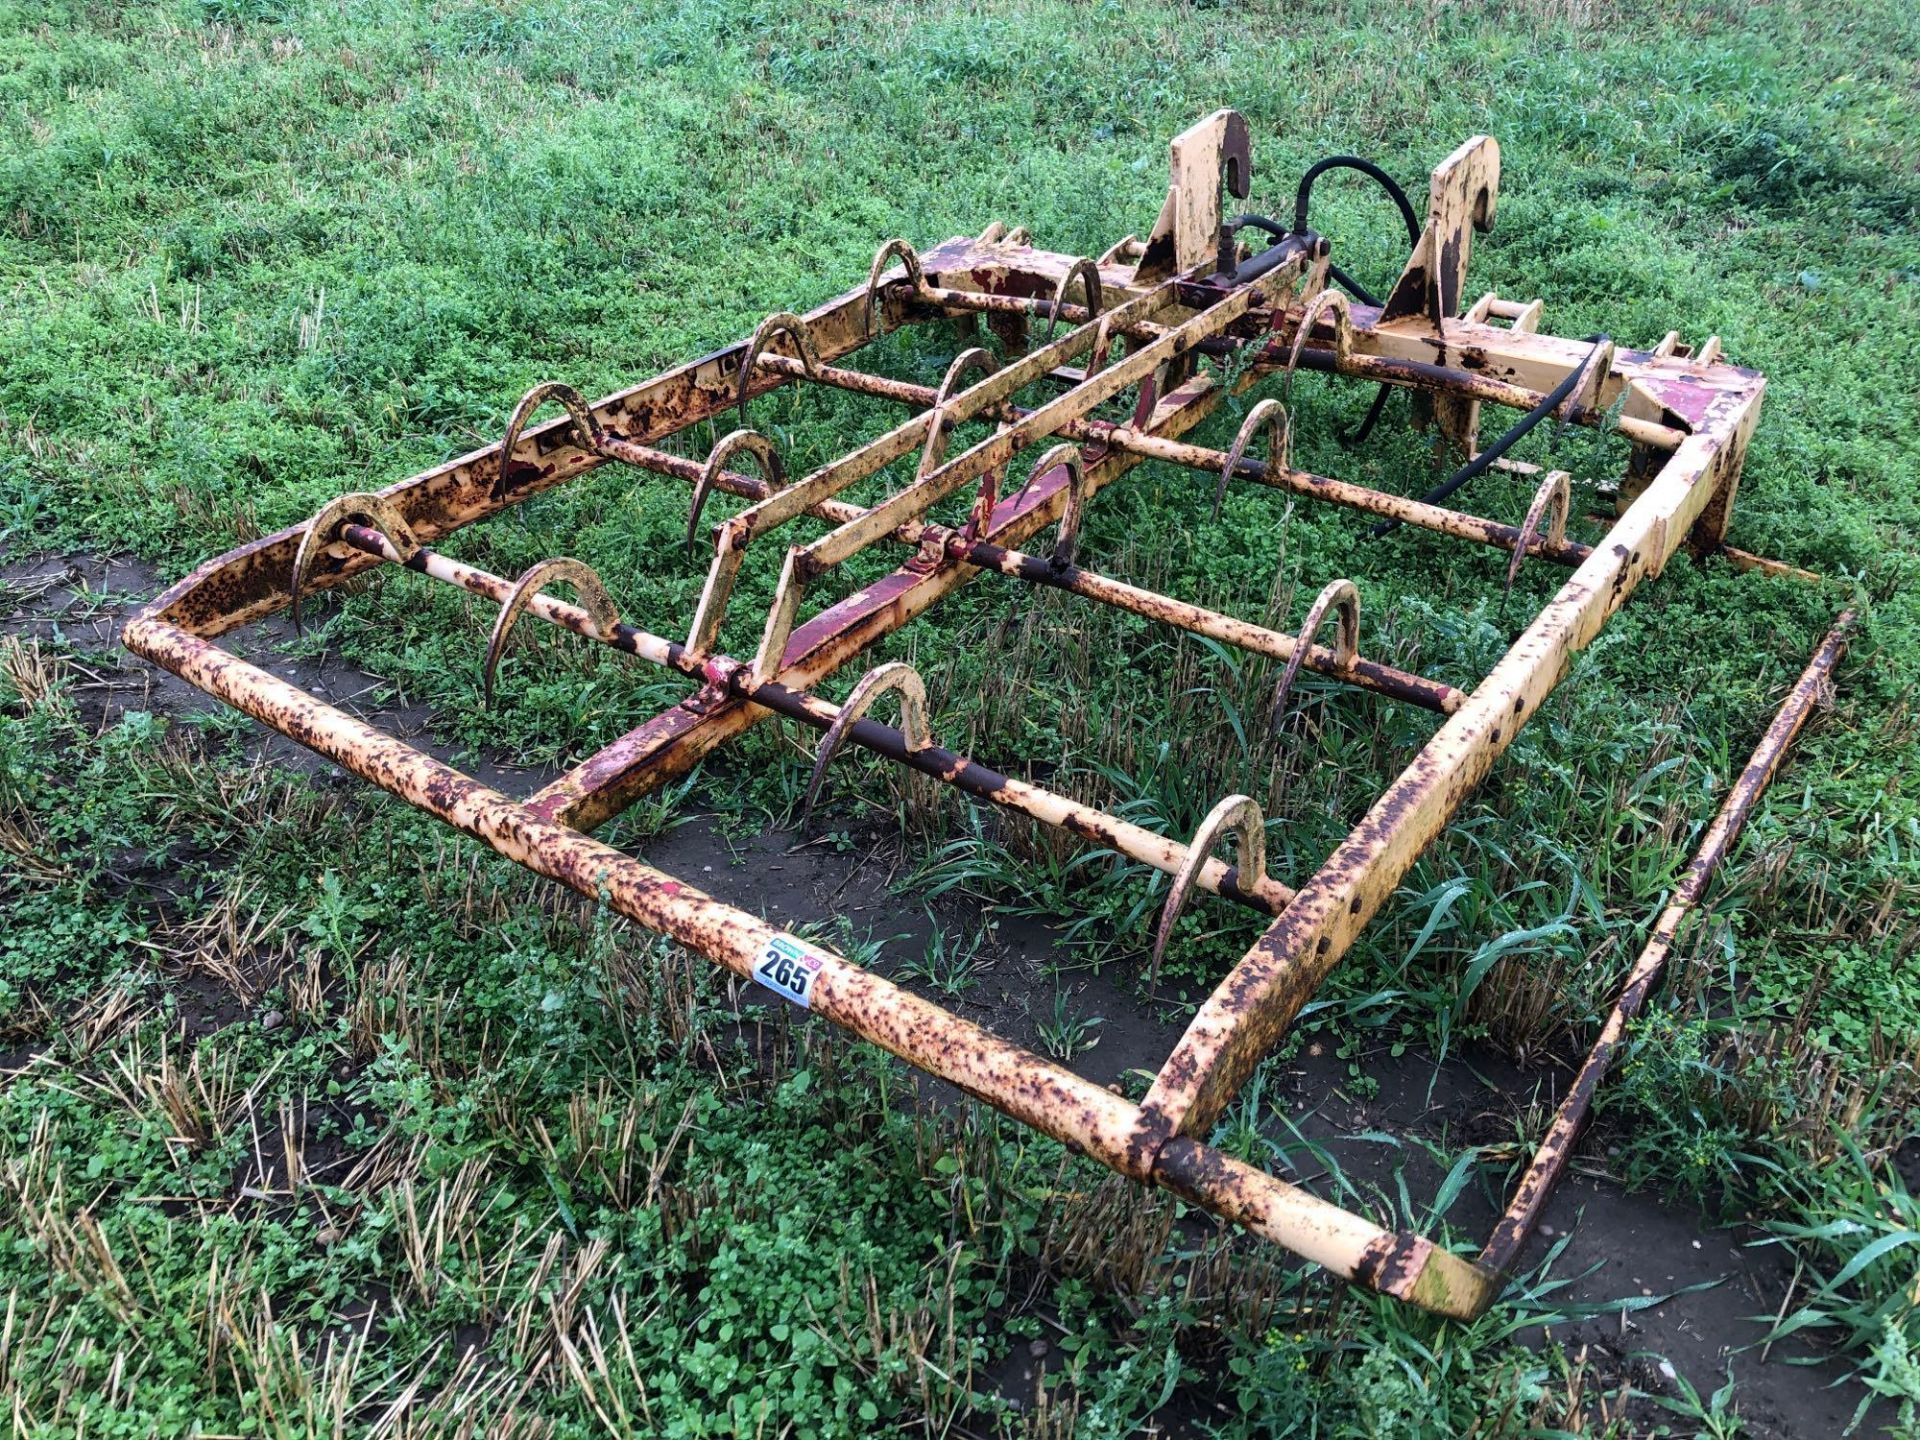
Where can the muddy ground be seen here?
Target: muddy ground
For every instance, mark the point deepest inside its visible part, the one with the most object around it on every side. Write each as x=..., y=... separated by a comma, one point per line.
x=1714, y=1289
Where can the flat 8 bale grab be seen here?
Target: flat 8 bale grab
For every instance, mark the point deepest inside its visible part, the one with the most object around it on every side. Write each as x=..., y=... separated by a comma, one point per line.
x=1169, y=327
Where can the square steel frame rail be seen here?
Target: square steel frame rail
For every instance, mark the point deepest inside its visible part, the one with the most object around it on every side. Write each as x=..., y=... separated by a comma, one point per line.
x=1173, y=324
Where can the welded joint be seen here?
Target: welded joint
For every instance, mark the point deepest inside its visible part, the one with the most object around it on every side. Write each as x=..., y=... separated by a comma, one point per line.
x=375, y=510
x=603, y=617
x=1343, y=598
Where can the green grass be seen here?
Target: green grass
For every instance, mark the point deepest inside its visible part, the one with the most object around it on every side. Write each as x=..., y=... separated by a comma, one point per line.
x=253, y=255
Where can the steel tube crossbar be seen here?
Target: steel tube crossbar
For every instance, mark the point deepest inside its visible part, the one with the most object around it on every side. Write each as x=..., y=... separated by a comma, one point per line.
x=747, y=487
x=1405, y=509
x=1688, y=416
x=1550, y=1159
x=1089, y=823
x=1243, y=634
x=1463, y=384
x=488, y=586
x=1136, y=842
x=1085, y=1115
x=1414, y=374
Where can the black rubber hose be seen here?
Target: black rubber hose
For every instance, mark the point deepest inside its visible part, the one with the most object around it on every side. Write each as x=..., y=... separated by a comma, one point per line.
x=1259, y=222
x=1352, y=286
x=1483, y=462
x=1304, y=196
x=1274, y=228
x=1359, y=433
x=1302, y=201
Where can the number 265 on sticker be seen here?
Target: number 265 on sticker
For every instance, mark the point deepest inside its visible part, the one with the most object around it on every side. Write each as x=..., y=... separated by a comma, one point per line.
x=788, y=967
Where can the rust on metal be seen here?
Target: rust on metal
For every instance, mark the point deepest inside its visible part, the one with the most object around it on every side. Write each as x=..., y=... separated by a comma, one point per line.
x=764, y=456
x=915, y=729
x=1238, y=815
x=1550, y=1160
x=1164, y=331
x=1271, y=416
x=1551, y=502
x=603, y=618
x=323, y=530
x=1341, y=598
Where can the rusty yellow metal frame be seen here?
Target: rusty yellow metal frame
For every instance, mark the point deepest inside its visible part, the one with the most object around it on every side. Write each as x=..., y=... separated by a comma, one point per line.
x=1177, y=302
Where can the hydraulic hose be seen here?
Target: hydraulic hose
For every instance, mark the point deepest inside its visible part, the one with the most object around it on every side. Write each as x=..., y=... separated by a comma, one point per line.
x=1304, y=196
x=1483, y=462
x=1302, y=204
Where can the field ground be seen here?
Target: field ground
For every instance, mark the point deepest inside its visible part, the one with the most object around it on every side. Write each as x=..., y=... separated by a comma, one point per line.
x=316, y=1118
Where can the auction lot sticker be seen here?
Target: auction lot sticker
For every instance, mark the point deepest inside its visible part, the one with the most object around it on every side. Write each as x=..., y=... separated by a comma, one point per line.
x=788, y=966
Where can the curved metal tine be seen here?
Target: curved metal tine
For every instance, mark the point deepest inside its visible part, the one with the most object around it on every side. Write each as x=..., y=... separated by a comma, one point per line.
x=896, y=675
x=765, y=456
x=964, y=364
x=1069, y=537
x=1273, y=416
x=1586, y=393
x=1089, y=276
x=1553, y=500
x=935, y=451
x=1340, y=595
x=1149, y=396
x=1102, y=351
x=377, y=510
x=593, y=599
x=1242, y=813
x=781, y=322
x=1342, y=310
x=587, y=433
x=910, y=259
